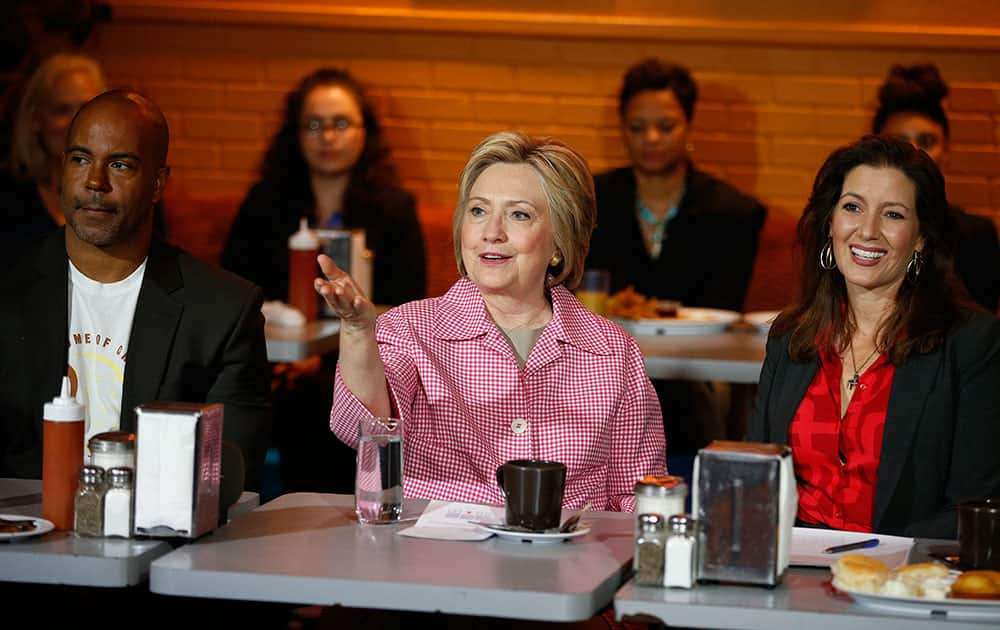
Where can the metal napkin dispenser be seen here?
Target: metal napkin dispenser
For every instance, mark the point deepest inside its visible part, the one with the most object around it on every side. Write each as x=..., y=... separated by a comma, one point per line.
x=745, y=500
x=178, y=469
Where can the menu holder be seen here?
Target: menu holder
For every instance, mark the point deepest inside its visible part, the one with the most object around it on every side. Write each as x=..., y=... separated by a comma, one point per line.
x=178, y=469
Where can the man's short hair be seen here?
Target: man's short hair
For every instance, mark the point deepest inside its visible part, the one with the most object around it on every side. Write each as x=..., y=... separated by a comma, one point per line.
x=654, y=74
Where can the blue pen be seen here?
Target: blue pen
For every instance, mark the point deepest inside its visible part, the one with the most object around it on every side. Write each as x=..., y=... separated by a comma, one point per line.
x=861, y=544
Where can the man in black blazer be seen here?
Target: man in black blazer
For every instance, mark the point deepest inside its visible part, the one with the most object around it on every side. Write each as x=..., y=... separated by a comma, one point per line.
x=194, y=334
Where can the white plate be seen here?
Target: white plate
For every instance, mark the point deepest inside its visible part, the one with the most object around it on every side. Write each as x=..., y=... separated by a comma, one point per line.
x=761, y=319
x=689, y=321
x=42, y=526
x=553, y=537
x=970, y=609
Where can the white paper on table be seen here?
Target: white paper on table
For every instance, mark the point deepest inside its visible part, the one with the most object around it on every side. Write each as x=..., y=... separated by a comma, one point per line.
x=447, y=520
x=808, y=545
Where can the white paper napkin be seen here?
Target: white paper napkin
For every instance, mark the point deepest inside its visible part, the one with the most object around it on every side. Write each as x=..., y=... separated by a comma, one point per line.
x=165, y=471
x=446, y=520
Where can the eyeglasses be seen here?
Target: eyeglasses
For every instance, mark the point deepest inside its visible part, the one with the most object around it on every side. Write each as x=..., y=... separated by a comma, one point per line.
x=338, y=124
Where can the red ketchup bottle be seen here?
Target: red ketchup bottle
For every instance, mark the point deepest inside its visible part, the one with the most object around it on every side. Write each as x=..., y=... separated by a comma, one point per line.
x=303, y=247
x=62, y=456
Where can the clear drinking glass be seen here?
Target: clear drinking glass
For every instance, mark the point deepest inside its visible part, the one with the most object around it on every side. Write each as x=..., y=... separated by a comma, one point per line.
x=378, y=485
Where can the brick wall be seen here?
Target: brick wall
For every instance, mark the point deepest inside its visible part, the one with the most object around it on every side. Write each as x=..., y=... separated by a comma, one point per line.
x=769, y=112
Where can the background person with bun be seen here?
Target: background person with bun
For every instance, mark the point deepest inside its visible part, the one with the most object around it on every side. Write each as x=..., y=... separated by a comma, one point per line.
x=910, y=106
x=882, y=378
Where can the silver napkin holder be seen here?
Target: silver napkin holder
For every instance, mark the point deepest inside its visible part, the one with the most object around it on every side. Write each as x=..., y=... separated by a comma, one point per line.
x=178, y=469
x=745, y=500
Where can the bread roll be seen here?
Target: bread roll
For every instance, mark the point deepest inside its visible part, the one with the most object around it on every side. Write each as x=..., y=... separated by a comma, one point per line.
x=928, y=580
x=856, y=572
x=977, y=585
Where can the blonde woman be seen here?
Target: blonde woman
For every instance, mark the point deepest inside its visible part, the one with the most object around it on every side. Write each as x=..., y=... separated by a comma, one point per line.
x=507, y=364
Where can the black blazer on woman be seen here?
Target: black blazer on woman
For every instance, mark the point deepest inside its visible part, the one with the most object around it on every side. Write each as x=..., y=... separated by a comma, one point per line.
x=941, y=443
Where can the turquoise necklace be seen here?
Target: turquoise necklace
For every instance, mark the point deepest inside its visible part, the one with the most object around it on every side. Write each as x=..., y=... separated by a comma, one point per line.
x=658, y=227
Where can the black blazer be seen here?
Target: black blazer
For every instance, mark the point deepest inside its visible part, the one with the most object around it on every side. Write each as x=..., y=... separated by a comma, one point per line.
x=941, y=442
x=197, y=336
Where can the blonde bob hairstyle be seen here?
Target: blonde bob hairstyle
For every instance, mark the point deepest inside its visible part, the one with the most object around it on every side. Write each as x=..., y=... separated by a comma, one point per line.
x=566, y=183
x=28, y=156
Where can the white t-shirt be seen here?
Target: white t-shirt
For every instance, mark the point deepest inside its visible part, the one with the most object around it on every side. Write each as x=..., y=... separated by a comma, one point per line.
x=100, y=323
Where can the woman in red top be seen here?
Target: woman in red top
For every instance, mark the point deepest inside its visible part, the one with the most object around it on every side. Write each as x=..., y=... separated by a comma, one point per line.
x=884, y=378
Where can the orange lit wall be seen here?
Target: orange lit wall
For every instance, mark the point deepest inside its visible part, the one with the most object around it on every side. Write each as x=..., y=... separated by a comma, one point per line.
x=782, y=83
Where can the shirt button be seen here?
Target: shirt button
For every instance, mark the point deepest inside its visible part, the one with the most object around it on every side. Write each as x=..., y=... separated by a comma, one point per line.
x=519, y=425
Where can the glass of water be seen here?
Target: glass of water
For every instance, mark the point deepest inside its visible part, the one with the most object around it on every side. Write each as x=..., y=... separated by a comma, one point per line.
x=378, y=485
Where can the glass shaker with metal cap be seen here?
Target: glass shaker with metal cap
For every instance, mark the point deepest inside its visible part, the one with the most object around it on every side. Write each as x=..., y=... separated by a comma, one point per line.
x=112, y=449
x=681, y=549
x=118, y=504
x=660, y=494
x=649, y=549
x=88, y=512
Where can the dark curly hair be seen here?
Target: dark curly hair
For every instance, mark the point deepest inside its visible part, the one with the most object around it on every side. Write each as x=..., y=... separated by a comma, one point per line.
x=285, y=166
x=919, y=89
x=653, y=74
x=924, y=309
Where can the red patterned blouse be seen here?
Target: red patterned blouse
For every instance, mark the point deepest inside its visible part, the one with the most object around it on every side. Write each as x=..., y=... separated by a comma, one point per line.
x=836, y=459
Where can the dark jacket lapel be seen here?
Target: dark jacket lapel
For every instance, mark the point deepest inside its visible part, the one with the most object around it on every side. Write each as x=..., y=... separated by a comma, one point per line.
x=154, y=325
x=911, y=385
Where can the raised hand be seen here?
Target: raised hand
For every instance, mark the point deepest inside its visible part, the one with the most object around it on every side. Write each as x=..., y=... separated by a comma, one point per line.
x=343, y=295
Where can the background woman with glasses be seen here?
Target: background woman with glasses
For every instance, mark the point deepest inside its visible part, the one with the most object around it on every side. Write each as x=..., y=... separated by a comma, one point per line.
x=327, y=162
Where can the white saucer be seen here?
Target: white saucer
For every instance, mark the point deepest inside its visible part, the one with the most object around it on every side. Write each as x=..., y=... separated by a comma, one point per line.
x=970, y=609
x=541, y=537
x=689, y=321
x=42, y=526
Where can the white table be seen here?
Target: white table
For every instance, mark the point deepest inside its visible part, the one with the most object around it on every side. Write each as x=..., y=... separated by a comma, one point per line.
x=734, y=356
x=802, y=600
x=309, y=549
x=287, y=344
x=64, y=558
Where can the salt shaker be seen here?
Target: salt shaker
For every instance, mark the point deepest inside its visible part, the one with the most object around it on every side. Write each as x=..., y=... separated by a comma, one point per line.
x=112, y=449
x=680, y=561
x=88, y=514
x=660, y=494
x=118, y=510
x=649, y=550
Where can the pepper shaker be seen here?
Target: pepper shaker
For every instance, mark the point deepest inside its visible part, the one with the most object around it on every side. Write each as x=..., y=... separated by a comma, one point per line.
x=88, y=514
x=649, y=549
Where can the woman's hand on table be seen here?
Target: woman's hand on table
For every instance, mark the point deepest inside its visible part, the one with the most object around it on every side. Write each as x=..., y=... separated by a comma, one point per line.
x=344, y=296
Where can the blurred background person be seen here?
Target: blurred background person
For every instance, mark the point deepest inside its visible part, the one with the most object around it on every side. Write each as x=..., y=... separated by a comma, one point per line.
x=883, y=377
x=328, y=162
x=910, y=106
x=674, y=232
x=507, y=364
x=29, y=183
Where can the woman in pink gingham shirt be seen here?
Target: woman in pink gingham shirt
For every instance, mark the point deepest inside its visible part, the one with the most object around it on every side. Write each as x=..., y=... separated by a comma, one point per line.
x=507, y=364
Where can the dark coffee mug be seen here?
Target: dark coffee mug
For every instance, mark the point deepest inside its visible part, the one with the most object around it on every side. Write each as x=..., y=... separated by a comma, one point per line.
x=979, y=534
x=534, y=492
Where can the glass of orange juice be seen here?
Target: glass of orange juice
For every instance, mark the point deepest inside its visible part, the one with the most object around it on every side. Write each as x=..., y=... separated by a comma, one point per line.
x=593, y=290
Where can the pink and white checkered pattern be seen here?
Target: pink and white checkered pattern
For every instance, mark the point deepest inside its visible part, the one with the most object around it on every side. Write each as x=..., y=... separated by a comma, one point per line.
x=583, y=399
